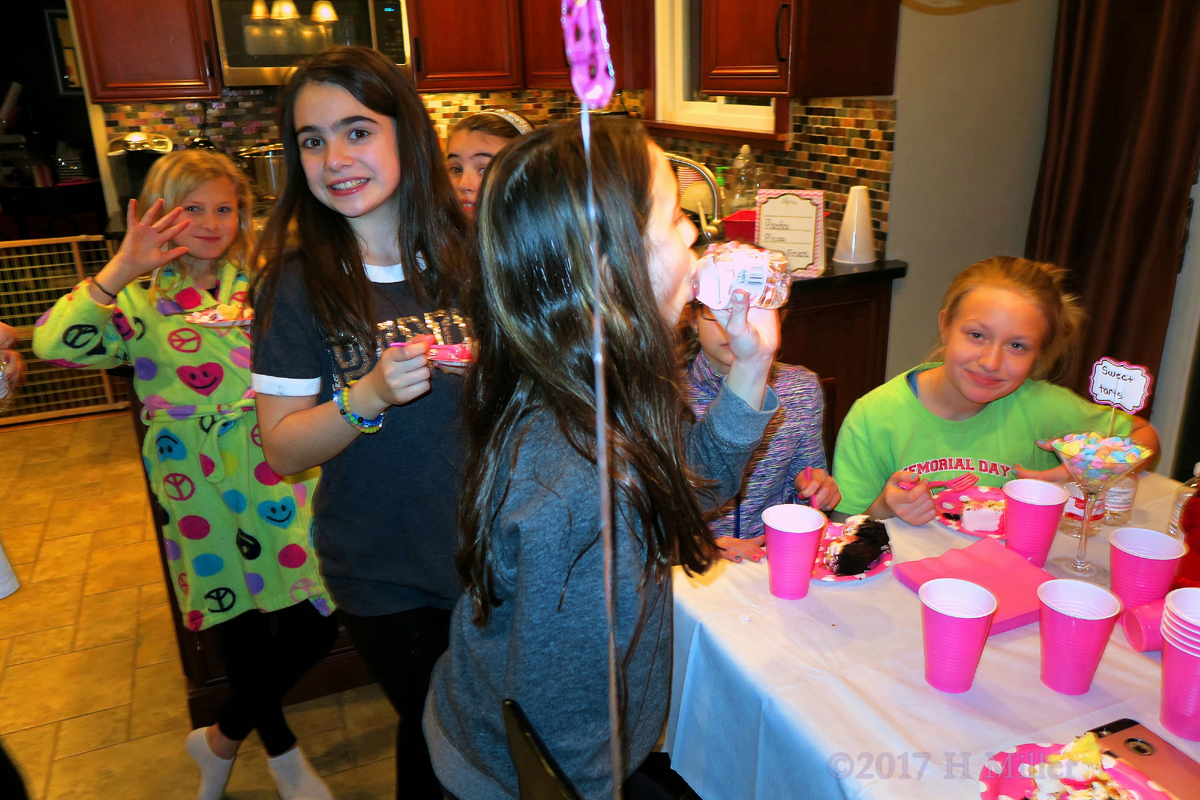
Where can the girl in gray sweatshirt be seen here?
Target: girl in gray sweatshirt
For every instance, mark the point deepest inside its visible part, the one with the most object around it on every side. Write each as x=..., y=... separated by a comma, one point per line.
x=532, y=624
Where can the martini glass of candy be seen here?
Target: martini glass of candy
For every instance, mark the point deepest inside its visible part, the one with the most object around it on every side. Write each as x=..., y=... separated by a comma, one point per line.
x=1096, y=462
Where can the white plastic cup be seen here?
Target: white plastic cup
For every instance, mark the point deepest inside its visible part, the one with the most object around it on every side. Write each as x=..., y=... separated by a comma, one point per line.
x=8, y=578
x=856, y=239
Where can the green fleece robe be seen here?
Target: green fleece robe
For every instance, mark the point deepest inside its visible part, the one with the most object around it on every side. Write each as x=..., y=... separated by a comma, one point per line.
x=237, y=537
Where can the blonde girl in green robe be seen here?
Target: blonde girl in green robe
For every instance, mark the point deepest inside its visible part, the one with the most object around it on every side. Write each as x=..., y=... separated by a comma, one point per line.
x=237, y=534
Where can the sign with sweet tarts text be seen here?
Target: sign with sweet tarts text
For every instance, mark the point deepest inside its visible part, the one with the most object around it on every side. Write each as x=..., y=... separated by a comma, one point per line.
x=1115, y=383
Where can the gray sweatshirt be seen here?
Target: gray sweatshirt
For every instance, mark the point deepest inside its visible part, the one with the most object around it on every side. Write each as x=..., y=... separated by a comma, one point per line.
x=545, y=645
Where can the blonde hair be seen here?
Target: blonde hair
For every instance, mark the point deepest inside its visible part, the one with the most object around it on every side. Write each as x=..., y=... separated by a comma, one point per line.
x=1043, y=285
x=175, y=176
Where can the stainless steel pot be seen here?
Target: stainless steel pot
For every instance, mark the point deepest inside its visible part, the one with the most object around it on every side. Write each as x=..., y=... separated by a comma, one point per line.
x=264, y=165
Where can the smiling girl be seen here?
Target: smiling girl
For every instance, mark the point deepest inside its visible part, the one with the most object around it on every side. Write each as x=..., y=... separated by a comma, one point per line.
x=236, y=534
x=981, y=407
x=379, y=246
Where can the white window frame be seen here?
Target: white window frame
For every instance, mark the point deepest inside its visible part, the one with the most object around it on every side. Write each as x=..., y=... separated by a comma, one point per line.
x=670, y=28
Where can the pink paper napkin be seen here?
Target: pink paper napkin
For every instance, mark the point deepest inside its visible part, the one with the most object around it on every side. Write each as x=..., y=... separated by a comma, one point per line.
x=990, y=564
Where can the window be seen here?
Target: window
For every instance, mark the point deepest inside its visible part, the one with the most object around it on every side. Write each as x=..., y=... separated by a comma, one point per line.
x=678, y=97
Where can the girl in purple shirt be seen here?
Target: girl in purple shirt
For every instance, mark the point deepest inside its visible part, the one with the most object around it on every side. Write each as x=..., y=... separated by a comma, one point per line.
x=791, y=443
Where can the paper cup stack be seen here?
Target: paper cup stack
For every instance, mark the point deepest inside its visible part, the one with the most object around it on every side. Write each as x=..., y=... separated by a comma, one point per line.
x=1180, y=709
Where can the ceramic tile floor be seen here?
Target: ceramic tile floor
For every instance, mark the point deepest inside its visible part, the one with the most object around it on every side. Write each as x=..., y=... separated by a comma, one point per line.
x=92, y=698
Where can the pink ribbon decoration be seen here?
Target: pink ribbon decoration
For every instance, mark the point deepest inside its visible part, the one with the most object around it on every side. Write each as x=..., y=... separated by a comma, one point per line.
x=586, y=42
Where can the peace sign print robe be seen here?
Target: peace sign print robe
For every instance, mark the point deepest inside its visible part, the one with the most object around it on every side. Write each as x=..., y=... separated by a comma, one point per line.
x=238, y=535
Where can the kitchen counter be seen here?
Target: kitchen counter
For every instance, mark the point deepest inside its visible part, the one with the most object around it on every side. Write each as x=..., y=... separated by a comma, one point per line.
x=838, y=275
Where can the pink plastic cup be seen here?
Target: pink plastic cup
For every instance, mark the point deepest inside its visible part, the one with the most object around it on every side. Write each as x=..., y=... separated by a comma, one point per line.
x=1143, y=563
x=956, y=617
x=1183, y=606
x=1143, y=626
x=1032, y=510
x=1077, y=619
x=793, y=536
x=1179, y=635
x=1180, y=706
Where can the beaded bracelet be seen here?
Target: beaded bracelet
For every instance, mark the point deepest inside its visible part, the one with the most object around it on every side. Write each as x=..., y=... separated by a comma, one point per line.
x=360, y=423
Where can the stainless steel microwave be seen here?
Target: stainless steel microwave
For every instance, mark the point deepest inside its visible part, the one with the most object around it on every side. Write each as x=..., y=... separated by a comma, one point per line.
x=262, y=40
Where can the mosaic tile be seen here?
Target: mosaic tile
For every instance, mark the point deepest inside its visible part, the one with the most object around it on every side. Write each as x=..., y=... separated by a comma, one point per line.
x=837, y=142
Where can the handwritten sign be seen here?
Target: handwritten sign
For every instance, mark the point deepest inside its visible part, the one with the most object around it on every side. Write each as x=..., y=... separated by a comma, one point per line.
x=1117, y=384
x=792, y=221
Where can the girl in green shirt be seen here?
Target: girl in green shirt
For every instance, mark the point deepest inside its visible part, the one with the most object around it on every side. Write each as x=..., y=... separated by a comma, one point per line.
x=983, y=405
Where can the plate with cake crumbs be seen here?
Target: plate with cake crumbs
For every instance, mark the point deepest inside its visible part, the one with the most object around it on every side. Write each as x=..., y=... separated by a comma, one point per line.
x=977, y=511
x=1080, y=770
x=854, y=551
x=221, y=316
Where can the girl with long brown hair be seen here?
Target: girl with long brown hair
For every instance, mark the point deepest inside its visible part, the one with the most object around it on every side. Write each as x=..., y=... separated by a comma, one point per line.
x=363, y=256
x=532, y=625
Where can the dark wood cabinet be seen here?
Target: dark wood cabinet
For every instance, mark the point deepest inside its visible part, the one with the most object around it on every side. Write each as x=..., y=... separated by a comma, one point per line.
x=541, y=33
x=837, y=326
x=630, y=25
x=746, y=46
x=164, y=50
x=801, y=48
x=450, y=55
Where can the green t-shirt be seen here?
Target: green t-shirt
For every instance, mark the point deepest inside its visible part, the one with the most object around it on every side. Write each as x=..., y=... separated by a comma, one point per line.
x=889, y=430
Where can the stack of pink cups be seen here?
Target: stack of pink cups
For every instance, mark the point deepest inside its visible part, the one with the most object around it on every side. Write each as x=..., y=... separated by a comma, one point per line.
x=1077, y=619
x=956, y=618
x=1143, y=563
x=1180, y=704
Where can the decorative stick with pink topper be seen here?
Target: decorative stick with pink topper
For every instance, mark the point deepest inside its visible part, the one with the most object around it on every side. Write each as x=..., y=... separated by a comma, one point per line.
x=585, y=40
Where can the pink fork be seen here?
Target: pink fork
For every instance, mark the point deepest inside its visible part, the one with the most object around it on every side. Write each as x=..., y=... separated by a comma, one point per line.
x=961, y=483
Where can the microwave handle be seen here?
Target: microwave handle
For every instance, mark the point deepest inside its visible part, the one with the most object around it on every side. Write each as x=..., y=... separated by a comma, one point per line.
x=416, y=45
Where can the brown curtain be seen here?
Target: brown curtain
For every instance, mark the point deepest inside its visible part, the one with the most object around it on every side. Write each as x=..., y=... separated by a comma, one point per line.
x=1122, y=143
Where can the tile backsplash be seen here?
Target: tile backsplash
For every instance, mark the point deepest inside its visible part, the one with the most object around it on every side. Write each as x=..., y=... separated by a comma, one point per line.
x=837, y=143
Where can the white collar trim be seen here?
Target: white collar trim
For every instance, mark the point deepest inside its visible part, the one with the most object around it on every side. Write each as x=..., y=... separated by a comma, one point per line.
x=392, y=273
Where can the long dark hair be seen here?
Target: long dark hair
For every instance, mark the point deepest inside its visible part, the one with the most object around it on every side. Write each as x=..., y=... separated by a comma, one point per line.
x=532, y=310
x=302, y=227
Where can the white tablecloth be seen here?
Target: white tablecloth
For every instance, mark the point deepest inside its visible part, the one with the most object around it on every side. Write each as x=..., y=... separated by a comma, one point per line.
x=825, y=696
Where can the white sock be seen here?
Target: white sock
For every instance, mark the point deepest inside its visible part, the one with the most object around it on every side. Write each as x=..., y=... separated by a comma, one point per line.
x=295, y=778
x=214, y=770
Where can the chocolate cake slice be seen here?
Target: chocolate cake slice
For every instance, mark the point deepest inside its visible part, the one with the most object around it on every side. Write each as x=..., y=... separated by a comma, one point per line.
x=862, y=542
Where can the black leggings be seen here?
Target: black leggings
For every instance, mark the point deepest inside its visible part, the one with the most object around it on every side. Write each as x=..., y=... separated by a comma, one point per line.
x=400, y=651
x=263, y=661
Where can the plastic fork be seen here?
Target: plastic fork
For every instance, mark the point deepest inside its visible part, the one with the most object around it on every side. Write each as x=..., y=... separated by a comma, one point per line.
x=961, y=483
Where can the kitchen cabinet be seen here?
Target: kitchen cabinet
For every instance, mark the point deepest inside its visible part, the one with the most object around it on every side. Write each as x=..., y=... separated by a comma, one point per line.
x=466, y=45
x=798, y=48
x=165, y=50
x=630, y=25
x=837, y=326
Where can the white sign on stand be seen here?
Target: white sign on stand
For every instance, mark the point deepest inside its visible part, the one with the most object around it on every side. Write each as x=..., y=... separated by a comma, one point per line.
x=1115, y=383
x=792, y=221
